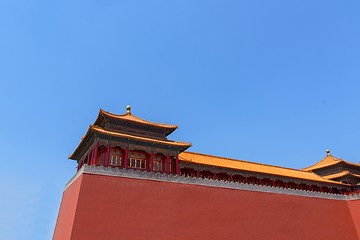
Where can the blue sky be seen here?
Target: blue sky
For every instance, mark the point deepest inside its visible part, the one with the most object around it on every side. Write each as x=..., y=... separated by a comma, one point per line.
x=275, y=82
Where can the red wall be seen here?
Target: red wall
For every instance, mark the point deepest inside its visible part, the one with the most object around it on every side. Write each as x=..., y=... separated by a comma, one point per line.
x=354, y=207
x=65, y=220
x=129, y=209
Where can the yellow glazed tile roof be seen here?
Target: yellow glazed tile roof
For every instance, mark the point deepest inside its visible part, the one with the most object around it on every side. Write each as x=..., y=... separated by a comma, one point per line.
x=326, y=162
x=128, y=116
x=116, y=134
x=97, y=129
x=341, y=174
x=250, y=166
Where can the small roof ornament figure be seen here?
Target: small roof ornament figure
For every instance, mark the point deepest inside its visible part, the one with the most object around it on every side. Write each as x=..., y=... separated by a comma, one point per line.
x=328, y=152
x=128, y=110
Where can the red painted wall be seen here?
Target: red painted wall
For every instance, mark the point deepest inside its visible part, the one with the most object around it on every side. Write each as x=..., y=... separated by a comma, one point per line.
x=131, y=209
x=354, y=207
x=65, y=220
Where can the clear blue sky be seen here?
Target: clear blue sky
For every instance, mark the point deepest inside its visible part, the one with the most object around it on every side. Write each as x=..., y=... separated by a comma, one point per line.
x=275, y=82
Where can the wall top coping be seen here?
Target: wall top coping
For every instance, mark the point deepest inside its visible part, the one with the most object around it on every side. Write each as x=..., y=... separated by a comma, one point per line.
x=162, y=177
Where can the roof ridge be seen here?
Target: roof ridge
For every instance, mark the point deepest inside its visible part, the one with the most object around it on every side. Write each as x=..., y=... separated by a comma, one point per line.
x=357, y=164
x=166, y=125
x=335, y=161
x=323, y=159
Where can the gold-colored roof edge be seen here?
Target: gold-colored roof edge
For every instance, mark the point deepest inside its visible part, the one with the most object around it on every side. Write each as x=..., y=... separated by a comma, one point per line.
x=137, y=119
x=246, y=161
x=341, y=174
x=82, y=140
x=336, y=161
x=316, y=178
x=104, y=131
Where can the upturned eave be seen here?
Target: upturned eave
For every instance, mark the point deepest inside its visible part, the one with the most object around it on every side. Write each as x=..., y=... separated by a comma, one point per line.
x=182, y=146
x=129, y=117
x=329, y=161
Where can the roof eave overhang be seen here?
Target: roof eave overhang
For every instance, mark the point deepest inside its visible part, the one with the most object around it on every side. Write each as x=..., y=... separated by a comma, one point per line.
x=99, y=117
x=121, y=137
x=84, y=140
x=325, y=181
x=168, y=129
x=314, y=168
x=318, y=179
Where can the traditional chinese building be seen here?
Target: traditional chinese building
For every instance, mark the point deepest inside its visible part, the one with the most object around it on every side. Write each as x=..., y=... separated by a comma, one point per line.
x=338, y=170
x=132, y=182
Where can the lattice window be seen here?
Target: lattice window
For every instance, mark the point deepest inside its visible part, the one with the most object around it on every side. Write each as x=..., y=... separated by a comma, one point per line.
x=137, y=160
x=157, y=163
x=115, y=158
x=171, y=164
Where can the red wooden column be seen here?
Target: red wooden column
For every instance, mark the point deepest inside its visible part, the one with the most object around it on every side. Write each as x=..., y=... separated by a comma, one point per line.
x=92, y=157
x=167, y=164
x=96, y=152
x=173, y=167
x=150, y=162
x=126, y=157
x=81, y=163
x=177, y=167
x=107, y=156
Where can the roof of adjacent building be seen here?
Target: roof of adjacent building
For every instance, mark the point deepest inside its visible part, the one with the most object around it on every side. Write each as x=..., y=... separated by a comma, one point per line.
x=329, y=160
x=215, y=161
x=341, y=174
